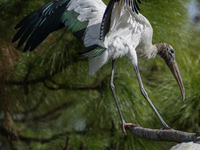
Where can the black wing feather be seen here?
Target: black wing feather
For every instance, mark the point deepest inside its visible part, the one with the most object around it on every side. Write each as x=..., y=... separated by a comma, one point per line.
x=25, y=31
x=40, y=23
x=43, y=29
x=105, y=24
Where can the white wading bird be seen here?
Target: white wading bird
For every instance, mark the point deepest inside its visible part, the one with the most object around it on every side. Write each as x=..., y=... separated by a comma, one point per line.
x=107, y=32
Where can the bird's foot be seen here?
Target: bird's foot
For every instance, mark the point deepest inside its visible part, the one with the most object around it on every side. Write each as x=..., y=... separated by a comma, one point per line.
x=124, y=125
x=165, y=127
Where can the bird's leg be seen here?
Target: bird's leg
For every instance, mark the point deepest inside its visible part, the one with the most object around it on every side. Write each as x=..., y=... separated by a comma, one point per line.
x=112, y=86
x=144, y=93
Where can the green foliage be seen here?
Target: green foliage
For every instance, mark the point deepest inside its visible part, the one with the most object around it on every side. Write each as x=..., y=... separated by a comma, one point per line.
x=47, y=94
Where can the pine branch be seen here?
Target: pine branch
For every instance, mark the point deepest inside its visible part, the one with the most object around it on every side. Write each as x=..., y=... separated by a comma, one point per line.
x=53, y=112
x=11, y=136
x=27, y=81
x=66, y=86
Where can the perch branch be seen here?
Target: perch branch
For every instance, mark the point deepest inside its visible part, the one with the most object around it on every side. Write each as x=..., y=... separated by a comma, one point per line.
x=163, y=135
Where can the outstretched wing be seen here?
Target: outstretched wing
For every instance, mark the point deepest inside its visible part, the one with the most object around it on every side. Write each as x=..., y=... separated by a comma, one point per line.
x=106, y=21
x=76, y=15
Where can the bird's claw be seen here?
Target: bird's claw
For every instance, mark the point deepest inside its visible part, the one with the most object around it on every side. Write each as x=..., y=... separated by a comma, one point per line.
x=165, y=127
x=124, y=125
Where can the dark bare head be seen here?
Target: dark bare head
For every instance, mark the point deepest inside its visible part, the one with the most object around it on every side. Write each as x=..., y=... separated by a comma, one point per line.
x=167, y=52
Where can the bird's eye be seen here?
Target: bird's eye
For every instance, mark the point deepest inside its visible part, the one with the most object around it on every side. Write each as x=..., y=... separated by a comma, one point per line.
x=172, y=51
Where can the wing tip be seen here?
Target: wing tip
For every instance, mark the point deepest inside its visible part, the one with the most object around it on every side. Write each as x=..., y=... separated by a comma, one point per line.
x=139, y=1
x=135, y=6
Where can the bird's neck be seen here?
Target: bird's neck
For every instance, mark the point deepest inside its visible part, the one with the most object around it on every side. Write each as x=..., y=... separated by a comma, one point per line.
x=152, y=52
x=159, y=47
x=147, y=52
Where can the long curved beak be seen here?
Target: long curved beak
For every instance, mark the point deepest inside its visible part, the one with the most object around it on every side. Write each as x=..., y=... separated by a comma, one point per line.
x=172, y=64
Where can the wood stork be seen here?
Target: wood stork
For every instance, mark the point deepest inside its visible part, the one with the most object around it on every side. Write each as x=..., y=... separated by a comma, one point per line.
x=107, y=32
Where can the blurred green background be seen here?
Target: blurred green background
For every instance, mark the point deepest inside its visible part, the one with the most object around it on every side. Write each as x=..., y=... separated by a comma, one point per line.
x=47, y=95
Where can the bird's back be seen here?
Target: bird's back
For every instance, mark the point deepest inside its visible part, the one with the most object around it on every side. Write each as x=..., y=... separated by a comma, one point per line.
x=128, y=31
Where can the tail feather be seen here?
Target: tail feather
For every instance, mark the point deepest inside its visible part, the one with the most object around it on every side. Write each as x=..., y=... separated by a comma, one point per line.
x=98, y=56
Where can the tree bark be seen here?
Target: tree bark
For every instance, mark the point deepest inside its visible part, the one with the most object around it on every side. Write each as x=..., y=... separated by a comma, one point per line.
x=164, y=135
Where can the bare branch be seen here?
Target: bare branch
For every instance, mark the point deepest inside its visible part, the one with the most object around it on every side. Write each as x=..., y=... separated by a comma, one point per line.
x=163, y=135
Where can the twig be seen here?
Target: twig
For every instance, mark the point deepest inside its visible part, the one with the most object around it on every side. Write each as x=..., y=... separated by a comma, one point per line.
x=66, y=145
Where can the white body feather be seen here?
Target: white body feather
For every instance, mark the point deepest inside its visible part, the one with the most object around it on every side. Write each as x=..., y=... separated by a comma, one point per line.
x=129, y=32
x=186, y=146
